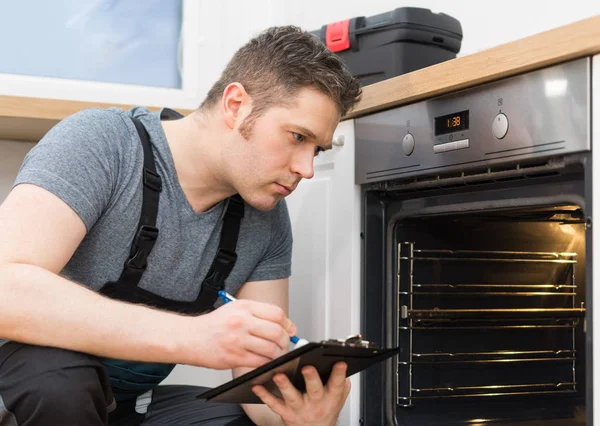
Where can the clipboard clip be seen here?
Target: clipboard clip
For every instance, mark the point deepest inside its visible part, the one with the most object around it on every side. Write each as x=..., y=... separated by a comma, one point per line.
x=354, y=340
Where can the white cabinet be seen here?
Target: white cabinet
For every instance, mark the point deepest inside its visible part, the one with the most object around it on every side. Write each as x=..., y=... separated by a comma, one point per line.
x=325, y=282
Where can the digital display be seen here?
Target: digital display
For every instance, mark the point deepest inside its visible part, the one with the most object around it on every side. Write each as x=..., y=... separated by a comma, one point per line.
x=451, y=123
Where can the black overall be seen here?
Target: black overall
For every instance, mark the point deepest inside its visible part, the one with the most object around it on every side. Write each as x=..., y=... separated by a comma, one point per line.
x=49, y=386
x=130, y=379
x=126, y=288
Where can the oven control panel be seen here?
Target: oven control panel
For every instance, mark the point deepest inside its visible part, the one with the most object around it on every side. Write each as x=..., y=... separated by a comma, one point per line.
x=540, y=114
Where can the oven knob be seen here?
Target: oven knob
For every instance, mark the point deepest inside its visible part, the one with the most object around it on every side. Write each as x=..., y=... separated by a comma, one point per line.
x=500, y=126
x=408, y=144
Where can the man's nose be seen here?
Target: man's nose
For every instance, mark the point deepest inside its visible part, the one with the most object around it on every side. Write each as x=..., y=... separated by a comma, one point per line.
x=303, y=165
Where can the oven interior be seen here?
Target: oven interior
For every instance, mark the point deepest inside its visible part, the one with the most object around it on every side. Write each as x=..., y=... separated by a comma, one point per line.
x=490, y=316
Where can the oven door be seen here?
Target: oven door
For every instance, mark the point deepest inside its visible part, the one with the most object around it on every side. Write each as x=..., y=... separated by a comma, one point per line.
x=485, y=292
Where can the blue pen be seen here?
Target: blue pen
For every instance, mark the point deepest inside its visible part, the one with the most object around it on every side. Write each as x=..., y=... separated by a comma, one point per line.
x=229, y=298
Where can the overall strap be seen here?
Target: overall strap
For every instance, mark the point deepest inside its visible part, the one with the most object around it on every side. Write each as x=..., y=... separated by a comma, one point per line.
x=226, y=255
x=147, y=233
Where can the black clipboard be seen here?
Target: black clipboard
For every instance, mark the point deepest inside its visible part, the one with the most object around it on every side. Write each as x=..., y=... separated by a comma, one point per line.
x=354, y=351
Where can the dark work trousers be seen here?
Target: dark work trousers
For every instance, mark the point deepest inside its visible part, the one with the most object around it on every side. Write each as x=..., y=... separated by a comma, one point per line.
x=43, y=386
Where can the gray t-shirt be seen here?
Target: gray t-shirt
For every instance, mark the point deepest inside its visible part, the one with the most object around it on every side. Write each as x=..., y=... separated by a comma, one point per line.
x=93, y=161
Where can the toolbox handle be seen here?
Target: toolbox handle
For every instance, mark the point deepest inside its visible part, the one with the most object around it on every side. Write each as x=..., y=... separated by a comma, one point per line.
x=341, y=35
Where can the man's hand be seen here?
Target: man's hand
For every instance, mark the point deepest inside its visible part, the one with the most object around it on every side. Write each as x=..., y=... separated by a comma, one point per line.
x=319, y=406
x=243, y=333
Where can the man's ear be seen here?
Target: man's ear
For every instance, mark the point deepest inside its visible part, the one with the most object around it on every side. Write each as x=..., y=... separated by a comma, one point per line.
x=235, y=104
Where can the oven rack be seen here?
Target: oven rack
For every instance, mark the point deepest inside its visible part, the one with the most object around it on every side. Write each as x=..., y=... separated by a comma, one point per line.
x=538, y=313
x=491, y=256
x=486, y=324
x=516, y=290
x=490, y=391
x=483, y=357
x=490, y=317
x=487, y=291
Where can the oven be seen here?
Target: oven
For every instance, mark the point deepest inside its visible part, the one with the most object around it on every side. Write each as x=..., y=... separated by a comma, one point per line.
x=476, y=256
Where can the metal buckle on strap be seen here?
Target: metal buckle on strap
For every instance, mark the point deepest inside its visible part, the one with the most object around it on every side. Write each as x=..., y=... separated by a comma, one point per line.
x=225, y=257
x=221, y=267
x=144, y=242
x=152, y=180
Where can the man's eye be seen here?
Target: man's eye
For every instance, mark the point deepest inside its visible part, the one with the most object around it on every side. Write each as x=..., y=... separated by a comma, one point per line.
x=299, y=137
x=318, y=150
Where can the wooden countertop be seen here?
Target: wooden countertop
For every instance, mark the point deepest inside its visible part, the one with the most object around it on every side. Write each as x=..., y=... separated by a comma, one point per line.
x=579, y=39
x=28, y=119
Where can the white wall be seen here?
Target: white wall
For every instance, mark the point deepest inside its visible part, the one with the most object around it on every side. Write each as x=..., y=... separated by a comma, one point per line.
x=485, y=23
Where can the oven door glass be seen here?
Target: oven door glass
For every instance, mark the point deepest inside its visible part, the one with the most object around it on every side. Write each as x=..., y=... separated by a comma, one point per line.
x=485, y=294
x=491, y=311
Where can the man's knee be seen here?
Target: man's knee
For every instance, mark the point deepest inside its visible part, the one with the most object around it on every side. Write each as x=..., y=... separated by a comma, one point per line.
x=67, y=390
x=54, y=385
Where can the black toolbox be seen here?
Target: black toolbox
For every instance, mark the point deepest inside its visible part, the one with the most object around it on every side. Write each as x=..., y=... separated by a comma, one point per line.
x=393, y=43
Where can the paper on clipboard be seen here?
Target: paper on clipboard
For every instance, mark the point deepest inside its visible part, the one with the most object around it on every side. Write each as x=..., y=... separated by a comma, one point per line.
x=357, y=353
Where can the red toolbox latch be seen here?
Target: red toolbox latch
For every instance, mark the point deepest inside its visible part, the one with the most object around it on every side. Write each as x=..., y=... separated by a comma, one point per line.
x=337, y=36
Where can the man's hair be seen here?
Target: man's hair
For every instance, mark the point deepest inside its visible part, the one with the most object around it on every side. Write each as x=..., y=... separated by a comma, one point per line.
x=279, y=62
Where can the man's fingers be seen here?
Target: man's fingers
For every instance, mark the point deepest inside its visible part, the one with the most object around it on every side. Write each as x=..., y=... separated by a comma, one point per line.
x=314, y=385
x=268, y=312
x=275, y=404
x=263, y=347
x=347, y=387
x=272, y=313
x=337, y=379
x=290, y=394
x=290, y=327
x=272, y=332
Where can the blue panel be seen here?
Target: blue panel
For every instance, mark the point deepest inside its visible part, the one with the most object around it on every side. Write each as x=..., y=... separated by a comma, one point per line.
x=115, y=41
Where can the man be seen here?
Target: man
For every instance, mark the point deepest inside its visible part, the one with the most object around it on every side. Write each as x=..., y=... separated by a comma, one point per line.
x=92, y=322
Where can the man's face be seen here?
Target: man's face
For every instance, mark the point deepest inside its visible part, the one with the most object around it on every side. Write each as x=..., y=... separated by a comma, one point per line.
x=281, y=147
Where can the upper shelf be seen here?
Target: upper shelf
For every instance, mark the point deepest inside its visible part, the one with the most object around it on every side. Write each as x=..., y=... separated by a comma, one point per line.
x=28, y=119
x=561, y=44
